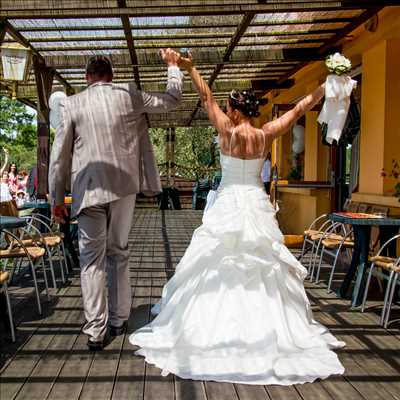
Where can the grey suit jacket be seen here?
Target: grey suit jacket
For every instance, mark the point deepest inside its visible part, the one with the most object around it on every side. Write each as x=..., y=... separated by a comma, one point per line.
x=102, y=143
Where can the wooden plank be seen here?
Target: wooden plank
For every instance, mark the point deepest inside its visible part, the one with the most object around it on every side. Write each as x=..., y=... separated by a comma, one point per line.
x=359, y=359
x=100, y=380
x=40, y=382
x=47, y=9
x=129, y=381
x=18, y=370
x=220, y=391
x=302, y=21
x=186, y=389
x=251, y=392
x=278, y=392
x=71, y=379
x=313, y=390
x=157, y=386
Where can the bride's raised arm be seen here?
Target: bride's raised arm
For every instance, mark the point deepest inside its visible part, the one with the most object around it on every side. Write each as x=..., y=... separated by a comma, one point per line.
x=281, y=125
x=217, y=117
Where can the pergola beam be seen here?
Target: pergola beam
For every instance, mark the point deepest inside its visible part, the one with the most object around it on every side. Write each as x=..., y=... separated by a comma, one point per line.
x=254, y=57
x=157, y=45
x=44, y=81
x=267, y=84
x=2, y=30
x=130, y=43
x=47, y=8
x=305, y=21
x=241, y=29
x=184, y=36
x=21, y=39
x=330, y=44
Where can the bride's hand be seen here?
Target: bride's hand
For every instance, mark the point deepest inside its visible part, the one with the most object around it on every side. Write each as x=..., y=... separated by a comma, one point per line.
x=186, y=62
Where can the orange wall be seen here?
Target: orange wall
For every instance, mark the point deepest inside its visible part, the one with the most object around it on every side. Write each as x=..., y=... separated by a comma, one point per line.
x=372, y=119
x=379, y=54
x=392, y=111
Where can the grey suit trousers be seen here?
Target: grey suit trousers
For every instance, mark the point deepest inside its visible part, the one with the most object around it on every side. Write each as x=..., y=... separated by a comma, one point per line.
x=104, y=253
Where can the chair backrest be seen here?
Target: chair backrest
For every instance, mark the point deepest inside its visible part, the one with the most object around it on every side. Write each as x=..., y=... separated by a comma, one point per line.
x=353, y=206
x=364, y=208
x=380, y=209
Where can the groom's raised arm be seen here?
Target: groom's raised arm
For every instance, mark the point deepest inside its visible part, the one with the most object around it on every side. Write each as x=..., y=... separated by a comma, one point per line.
x=152, y=102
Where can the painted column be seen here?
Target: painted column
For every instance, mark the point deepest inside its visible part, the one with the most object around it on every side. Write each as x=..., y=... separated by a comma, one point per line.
x=380, y=116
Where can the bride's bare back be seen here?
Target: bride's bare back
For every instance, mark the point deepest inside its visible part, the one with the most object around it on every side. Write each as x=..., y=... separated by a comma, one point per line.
x=245, y=141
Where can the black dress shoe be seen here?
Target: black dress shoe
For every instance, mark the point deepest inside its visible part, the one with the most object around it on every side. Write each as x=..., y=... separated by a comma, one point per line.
x=117, y=330
x=95, y=345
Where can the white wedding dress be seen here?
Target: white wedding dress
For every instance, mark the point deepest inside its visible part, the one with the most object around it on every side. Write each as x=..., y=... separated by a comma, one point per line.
x=236, y=309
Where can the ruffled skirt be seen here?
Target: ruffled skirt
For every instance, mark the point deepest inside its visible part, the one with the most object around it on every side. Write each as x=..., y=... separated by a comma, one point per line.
x=236, y=309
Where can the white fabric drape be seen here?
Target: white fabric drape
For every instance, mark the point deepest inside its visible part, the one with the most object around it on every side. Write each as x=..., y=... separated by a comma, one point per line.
x=336, y=105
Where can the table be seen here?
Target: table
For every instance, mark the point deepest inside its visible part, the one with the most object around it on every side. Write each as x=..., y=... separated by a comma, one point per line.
x=362, y=234
x=11, y=223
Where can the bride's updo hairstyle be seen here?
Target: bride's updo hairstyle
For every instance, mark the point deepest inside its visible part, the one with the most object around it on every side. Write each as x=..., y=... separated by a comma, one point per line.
x=246, y=102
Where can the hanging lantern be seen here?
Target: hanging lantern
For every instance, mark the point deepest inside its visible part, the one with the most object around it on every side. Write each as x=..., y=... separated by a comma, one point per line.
x=15, y=60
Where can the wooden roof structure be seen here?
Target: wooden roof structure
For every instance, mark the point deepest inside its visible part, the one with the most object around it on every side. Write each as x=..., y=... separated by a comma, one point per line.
x=236, y=44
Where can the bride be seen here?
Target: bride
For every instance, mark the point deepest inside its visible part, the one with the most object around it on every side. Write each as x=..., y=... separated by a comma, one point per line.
x=236, y=309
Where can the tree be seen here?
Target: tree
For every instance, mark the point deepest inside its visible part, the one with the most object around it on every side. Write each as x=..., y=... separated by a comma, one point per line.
x=18, y=132
x=192, y=150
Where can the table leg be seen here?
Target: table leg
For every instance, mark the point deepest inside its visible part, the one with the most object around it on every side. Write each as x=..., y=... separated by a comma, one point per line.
x=363, y=235
x=3, y=312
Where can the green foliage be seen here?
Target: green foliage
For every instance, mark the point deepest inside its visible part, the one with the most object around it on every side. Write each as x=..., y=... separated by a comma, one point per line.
x=18, y=132
x=192, y=149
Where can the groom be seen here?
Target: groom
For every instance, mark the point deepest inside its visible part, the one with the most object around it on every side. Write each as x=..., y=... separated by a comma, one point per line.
x=103, y=143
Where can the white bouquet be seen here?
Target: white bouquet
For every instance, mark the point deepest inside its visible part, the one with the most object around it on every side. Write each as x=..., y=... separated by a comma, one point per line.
x=338, y=88
x=338, y=64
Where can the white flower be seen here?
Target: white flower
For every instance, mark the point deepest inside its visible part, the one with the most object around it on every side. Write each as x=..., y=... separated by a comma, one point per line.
x=338, y=64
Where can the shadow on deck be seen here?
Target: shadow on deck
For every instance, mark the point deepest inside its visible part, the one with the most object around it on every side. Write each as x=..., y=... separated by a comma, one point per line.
x=51, y=361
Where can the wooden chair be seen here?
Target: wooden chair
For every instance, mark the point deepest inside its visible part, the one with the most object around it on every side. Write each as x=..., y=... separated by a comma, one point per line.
x=353, y=206
x=51, y=240
x=334, y=237
x=395, y=282
x=18, y=250
x=364, y=208
x=4, y=276
x=391, y=267
x=333, y=245
x=315, y=227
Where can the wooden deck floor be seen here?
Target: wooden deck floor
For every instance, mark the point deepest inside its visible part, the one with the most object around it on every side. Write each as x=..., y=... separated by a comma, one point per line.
x=50, y=360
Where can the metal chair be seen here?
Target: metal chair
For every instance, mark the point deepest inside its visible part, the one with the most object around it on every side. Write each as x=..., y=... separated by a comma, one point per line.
x=332, y=230
x=33, y=254
x=391, y=266
x=52, y=241
x=4, y=276
x=395, y=282
x=313, y=229
x=333, y=245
